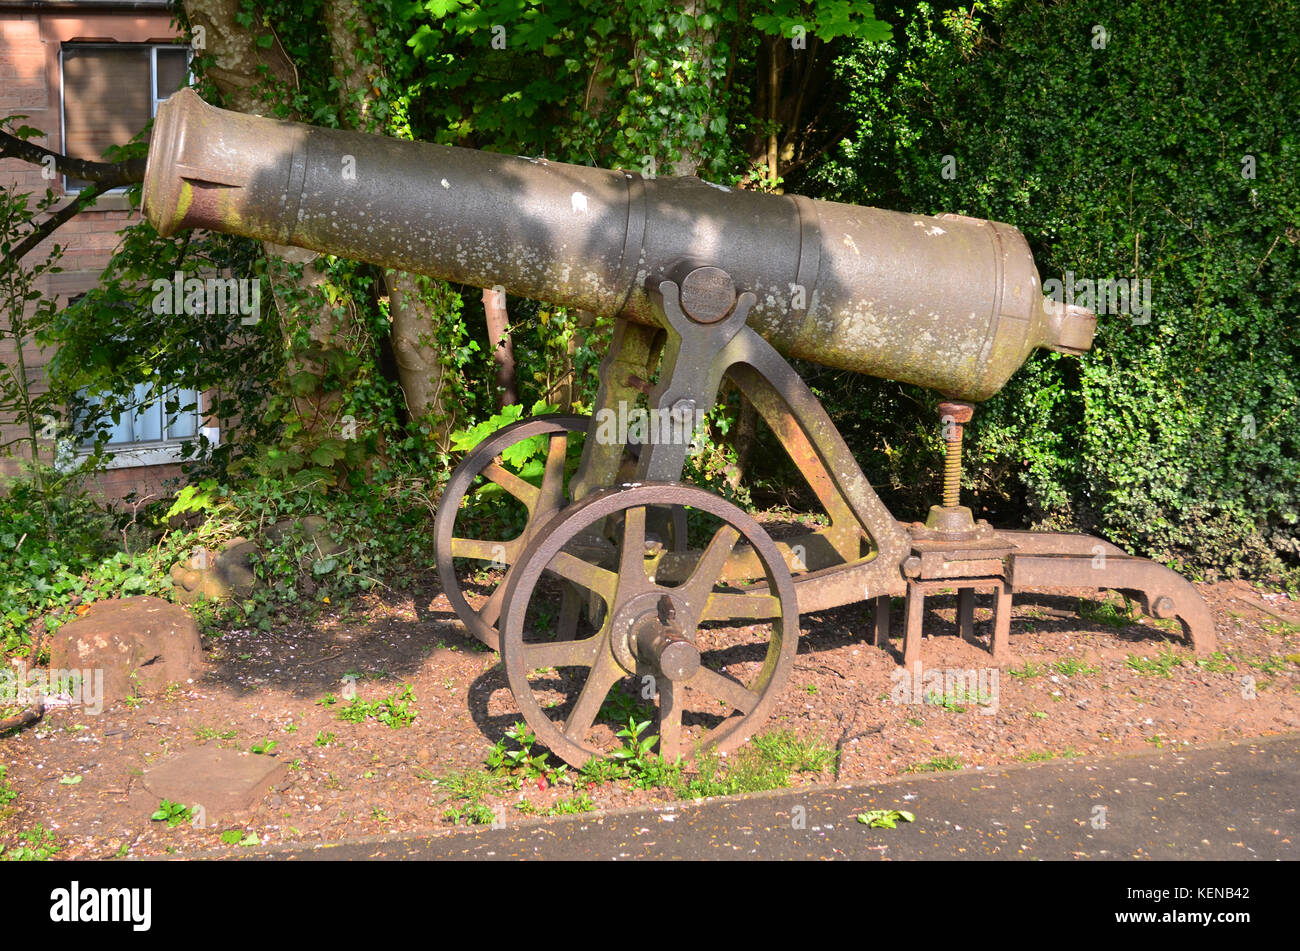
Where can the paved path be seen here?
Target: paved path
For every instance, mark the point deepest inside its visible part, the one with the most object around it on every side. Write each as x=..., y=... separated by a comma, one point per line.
x=1233, y=801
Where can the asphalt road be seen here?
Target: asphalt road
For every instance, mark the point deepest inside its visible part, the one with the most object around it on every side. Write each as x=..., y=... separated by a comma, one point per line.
x=1233, y=801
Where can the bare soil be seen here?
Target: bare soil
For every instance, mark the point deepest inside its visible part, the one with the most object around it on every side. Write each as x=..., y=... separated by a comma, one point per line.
x=371, y=779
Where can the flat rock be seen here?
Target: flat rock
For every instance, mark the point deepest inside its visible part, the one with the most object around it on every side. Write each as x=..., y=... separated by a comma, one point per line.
x=224, y=784
x=141, y=644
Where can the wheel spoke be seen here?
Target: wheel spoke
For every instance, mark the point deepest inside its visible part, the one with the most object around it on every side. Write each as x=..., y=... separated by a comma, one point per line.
x=584, y=574
x=524, y=491
x=733, y=606
x=605, y=672
x=561, y=653
x=670, y=720
x=631, y=563
x=721, y=687
x=708, y=569
x=570, y=610
x=484, y=549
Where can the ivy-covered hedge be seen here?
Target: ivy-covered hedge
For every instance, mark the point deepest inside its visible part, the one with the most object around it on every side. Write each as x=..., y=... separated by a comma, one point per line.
x=1157, y=141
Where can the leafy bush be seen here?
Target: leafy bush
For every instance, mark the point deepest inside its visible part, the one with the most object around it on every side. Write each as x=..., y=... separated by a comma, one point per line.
x=1128, y=158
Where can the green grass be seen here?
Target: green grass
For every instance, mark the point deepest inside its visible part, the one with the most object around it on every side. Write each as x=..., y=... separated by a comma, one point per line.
x=35, y=845
x=936, y=764
x=788, y=750
x=1216, y=663
x=395, y=711
x=1041, y=757
x=1029, y=671
x=1162, y=665
x=1107, y=613
x=1074, y=668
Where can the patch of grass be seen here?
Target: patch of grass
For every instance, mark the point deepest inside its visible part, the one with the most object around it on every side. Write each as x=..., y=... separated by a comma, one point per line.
x=792, y=752
x=936, y=764
x=205, y=733
x=1074, y=668
x=914, y=721
x=476, y=814
x=1272, y=666
x=1043, y=756
x=7, y=793
x=522, y=763
x=1029, y=671
x=621, y=706
x=35, y=845
x=1161, y=665
x=1216, y=663
x=572, y=806
x=1107, y=613
x=396, y=710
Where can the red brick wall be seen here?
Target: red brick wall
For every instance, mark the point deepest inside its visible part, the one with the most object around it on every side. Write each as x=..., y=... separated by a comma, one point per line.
x=30, y=85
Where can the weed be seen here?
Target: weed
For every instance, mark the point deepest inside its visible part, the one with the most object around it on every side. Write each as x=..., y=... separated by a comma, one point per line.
x=1074, y=668
x=522, y=764
x=936, y=764
x=266, y=747
x=36, y=845
x=205, y=733
x=395, y=711
x=1161, y=665
x=1029, y=671
x=1107, y=613
x=790, y=751
x=1216, y=663
x=172, y=813
x=325, y=739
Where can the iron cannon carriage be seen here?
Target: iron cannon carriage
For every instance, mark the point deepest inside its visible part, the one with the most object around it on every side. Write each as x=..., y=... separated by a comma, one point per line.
x=619, y=569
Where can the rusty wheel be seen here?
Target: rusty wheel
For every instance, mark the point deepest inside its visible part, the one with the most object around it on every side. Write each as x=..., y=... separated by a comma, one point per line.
x=470, y=565
x=713, y=655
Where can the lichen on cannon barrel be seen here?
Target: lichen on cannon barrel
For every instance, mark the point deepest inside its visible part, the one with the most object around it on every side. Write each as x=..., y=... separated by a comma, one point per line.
x=951, y=303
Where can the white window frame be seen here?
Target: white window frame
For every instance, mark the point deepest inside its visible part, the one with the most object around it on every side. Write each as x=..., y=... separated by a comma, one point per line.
x=157, y=452
x=153, y=91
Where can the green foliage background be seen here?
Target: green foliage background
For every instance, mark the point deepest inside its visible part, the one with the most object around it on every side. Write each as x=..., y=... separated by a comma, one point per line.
x=1176, y=438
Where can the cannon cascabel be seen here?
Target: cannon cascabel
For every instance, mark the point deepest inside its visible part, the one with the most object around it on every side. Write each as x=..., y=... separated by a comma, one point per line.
x=948, y=302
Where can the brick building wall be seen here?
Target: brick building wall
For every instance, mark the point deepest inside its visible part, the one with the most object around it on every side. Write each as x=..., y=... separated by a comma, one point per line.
x=31, y=36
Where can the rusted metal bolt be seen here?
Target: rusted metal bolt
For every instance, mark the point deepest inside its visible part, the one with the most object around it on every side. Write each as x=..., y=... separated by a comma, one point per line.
x=953, y=414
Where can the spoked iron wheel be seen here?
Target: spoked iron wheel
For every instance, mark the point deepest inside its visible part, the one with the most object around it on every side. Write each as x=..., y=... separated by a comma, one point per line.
x=713, y=656
x=472, y=566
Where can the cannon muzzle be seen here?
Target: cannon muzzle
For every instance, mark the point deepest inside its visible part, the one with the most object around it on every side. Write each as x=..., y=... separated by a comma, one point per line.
x=948, y=302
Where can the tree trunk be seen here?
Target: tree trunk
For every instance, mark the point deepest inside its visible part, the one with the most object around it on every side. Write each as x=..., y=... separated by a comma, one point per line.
x=501, y=345
x=416, y=305
x=252, y=78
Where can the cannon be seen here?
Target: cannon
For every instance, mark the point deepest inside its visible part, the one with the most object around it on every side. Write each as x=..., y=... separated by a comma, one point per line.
x=621, y=573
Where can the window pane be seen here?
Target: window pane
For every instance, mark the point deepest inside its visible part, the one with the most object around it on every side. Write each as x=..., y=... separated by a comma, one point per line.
x=105, y=99
x=183, y=424
x=148, y=415
x=172, y=66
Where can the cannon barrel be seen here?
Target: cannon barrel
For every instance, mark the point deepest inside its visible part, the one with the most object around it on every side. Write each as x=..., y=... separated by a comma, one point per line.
x=949, y=302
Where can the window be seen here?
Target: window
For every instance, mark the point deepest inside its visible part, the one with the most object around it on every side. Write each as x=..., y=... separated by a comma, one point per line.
x=148, y=422
x=146, y=434
x=111, y=91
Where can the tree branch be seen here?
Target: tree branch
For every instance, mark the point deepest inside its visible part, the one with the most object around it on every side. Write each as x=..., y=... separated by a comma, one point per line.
x=57, y=219
x=114, y=174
